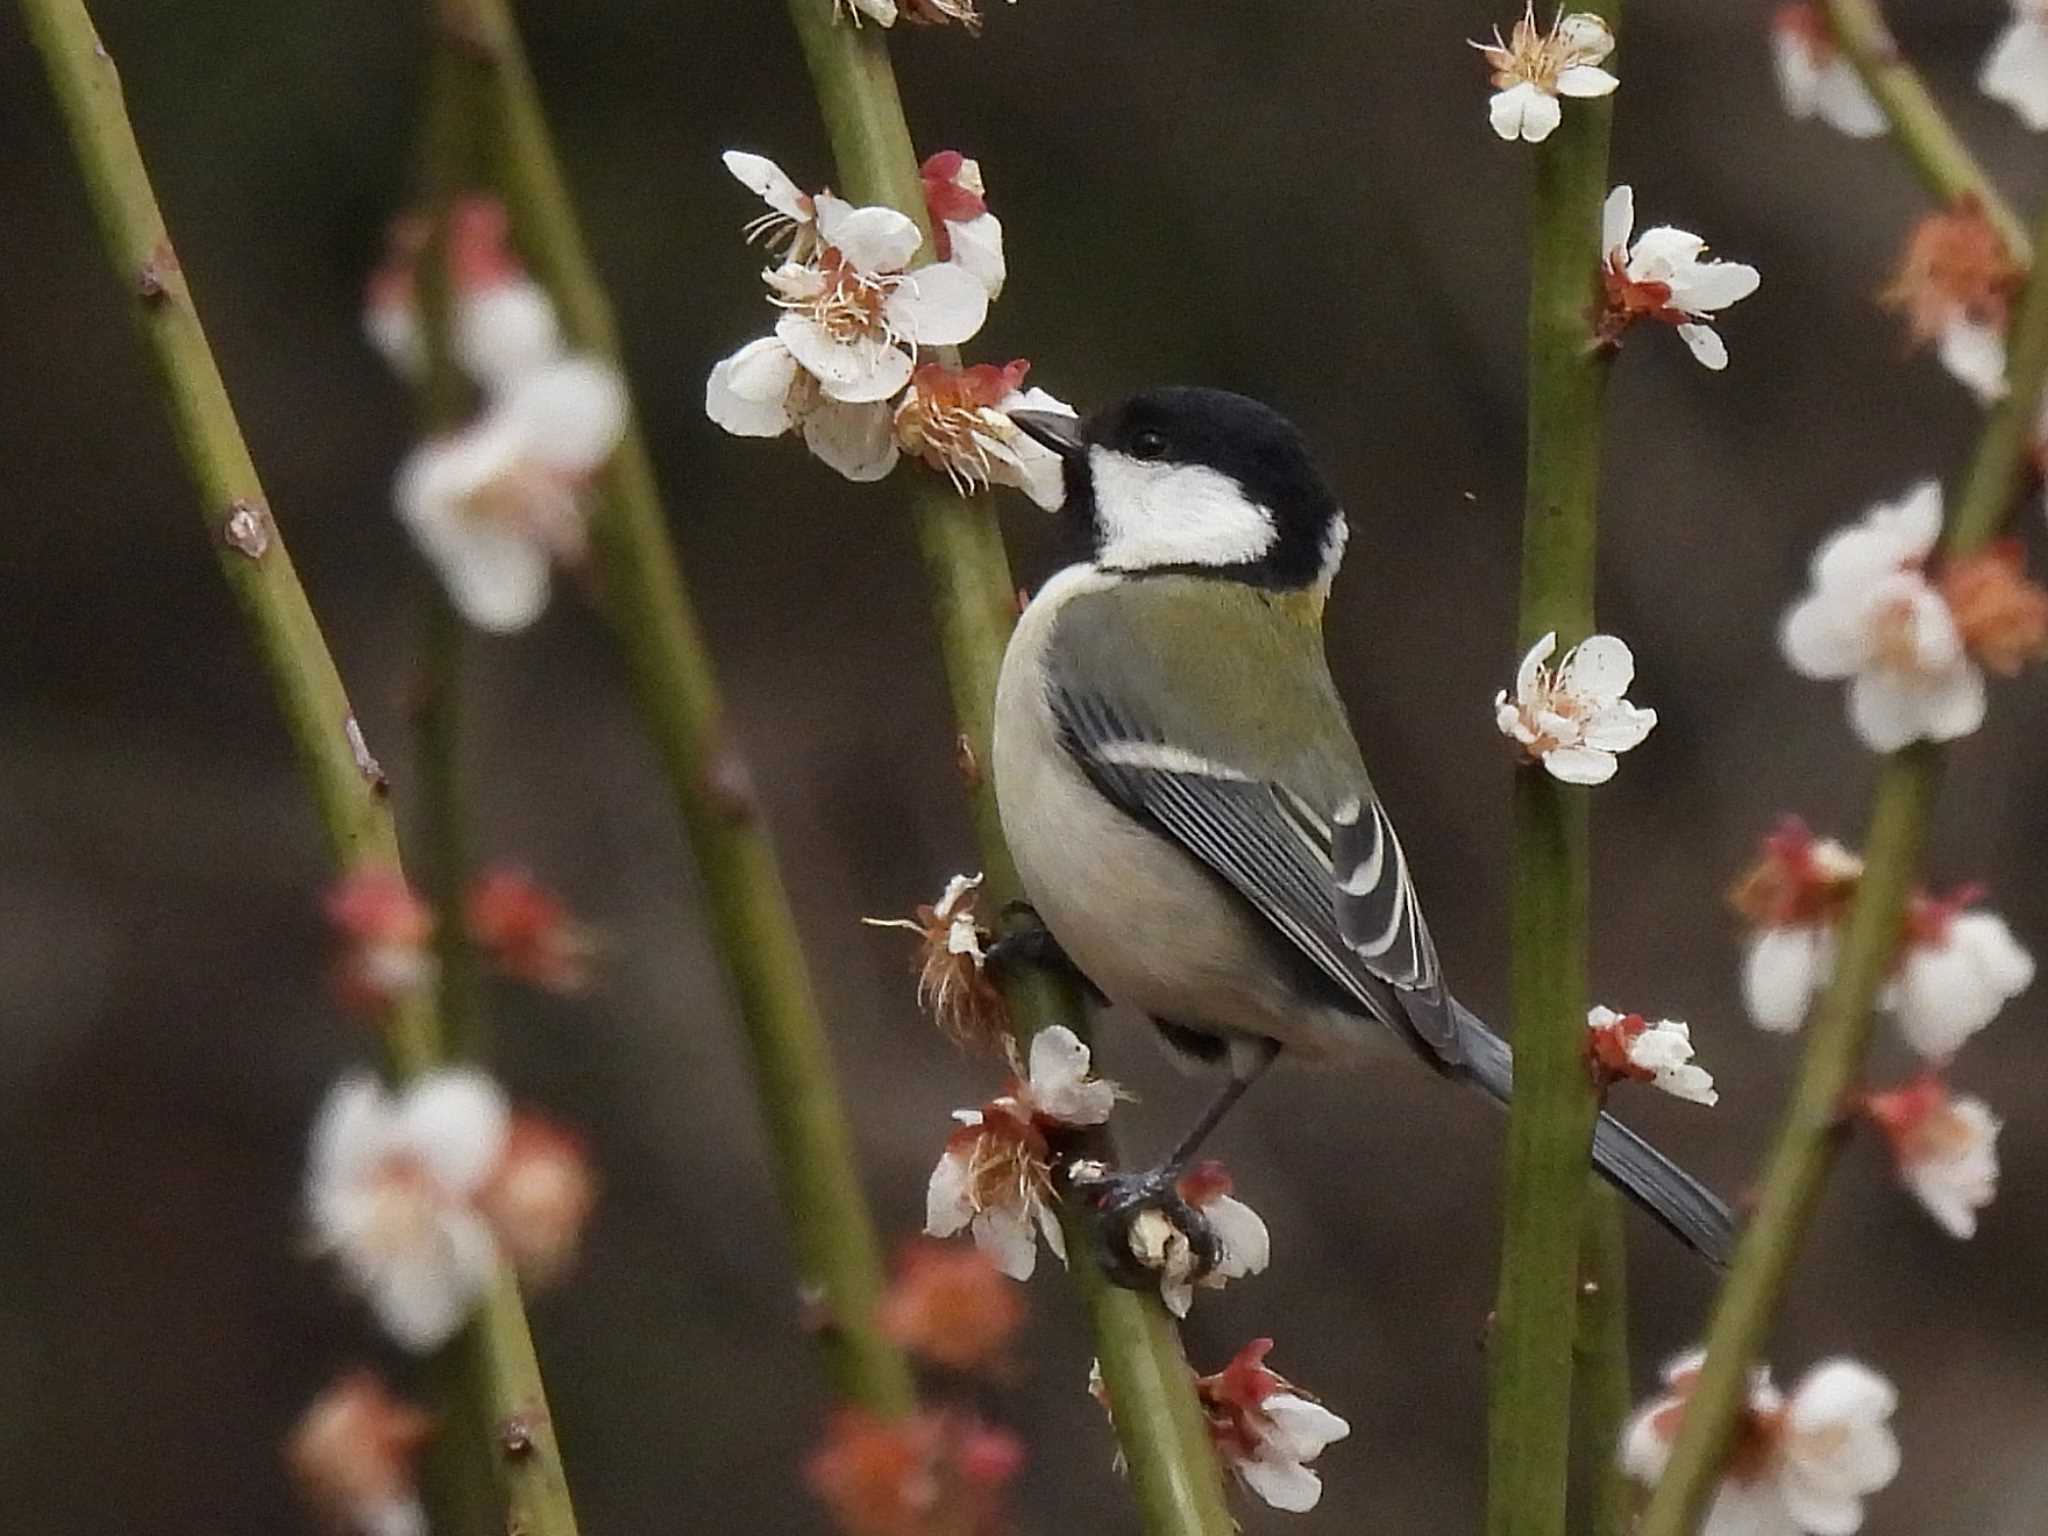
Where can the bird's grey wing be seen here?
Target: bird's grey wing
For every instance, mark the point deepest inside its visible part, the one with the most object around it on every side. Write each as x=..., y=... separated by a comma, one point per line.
x=1330, y=877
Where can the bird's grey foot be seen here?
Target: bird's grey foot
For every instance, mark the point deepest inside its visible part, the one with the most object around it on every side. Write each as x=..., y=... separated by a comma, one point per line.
x=1027, y=943
x=1127, y=1240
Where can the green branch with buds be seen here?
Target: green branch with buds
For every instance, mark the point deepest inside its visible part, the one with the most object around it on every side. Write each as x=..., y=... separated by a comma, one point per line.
x=489, y=1370
x=1839, y=1030
x=1165, y=1440
x=1556, y=1102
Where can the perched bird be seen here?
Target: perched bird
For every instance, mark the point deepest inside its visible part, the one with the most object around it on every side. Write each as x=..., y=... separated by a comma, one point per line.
x=1189, y=811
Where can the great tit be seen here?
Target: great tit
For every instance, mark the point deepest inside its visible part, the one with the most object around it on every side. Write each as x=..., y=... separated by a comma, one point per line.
x=1188, y=809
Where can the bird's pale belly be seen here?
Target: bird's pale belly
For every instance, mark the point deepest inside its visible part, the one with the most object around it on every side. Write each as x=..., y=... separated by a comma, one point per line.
x=1141, y=918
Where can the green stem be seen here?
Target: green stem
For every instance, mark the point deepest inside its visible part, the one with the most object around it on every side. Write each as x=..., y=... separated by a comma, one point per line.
x=644, y=597
x=1937, y=152
x=1174, y=1472
x=1600, y=1382
x=1838, y=1034
x=499, y=1378
x=1550, y=1123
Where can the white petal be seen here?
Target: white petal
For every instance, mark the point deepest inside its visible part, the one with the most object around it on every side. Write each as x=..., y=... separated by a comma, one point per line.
x=1887, y=710
x=940, y=305
x=1797, y=70
x=1247, y=1245
x=1529, y=675
x=1598, y=669
x=946, y=1206
x=854, y=439
x=853, y=371
x=1007, y=1237
x=1617, y=219
x=978, y=250
x=1709, y=286
x=767, y=181
x=1845, y=104
x=2016, y=71
x=570, y=414
x=1301, y=1426
x=1060, y=1085
x=1706, y=345
x=1618, y=727
x=1975, y=354
x=1645, y=1452
x=1580, y=765
x=496, y=577
x=1525, y=112
x=1663, y=253
x=456, y=1120
x=423, y=1297
x=1054, y=1234
x=350, y=1135
x=1584, y=80
x=874, y=240
x=1997, y=956
x=743, y=394
x=1286, y=1485
x=1782, y=970
x=1823, y=637
x=394, y=330
x=504, y=332
x=1585, y=36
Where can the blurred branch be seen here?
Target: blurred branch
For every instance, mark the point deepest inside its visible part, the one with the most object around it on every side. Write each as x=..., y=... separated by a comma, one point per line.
x=677, y=692
x=1838, y=1034
x=1550, y=1122
x=498, y=1375
x=1165, y=1441
x=1939, y=155
x=1601, y=1391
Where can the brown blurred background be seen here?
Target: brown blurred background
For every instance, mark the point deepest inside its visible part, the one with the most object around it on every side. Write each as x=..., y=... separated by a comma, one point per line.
x=1302, y=202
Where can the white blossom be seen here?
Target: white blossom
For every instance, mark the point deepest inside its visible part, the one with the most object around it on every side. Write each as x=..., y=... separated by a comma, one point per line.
x=1958, y=971
x=494, y=505
x=965, y=231
x=1816, y=79
x=883, y=11
x=1575, y=721
x=2016, y=70
x=1945, y=1149
x=1662, y=276
x=1660, y=1052
x=1973, y=352
x=1532, y=69
x=391, y=1191
x=1803, y=1464
x=760, y=391
x=1267, y=1430
x=957, y=421
x=504, y=331
x=1872, y=616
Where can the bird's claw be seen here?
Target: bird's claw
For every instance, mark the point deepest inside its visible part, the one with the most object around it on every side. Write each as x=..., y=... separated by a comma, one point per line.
x=1028, y=943
x=1134, y=1249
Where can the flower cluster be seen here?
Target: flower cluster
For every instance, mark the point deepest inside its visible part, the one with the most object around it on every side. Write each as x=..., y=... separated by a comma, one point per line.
x=1955, y=286
x=950, y=1305
x=1532, y=69
x=1800, y=1463
x=995, y=1178
x=927, y=1473
x=386, y=931
x=1911, y=642
x=355, y=1454
x=1816, y=79
x=1662, y=276
x=1626, y=1047
x=2016, y=70
x=1574, y=721
x=952, y=966
x=417, y=1194
x=1956, y=967
x=1268, y=1430
x=496, y=504
x=843, y=366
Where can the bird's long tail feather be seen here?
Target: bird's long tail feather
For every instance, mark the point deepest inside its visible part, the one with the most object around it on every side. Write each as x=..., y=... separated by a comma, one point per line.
x=1694, y=1213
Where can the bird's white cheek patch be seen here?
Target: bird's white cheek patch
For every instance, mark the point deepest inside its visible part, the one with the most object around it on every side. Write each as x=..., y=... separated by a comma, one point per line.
x=1155, y=514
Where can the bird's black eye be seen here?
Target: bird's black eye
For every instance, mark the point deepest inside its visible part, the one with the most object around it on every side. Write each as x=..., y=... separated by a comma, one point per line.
x=1148, y=444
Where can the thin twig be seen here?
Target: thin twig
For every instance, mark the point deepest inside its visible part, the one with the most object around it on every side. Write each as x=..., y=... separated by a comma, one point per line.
x=1838, y=1034
x=493, y=1358
x=676, y=688
x=1925, y=135
x=1166, y=1446
x=1600, y=1383
x=1550, y=1123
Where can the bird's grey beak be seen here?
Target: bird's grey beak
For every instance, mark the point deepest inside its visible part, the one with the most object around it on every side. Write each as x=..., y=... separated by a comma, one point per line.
x=1062, y=434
